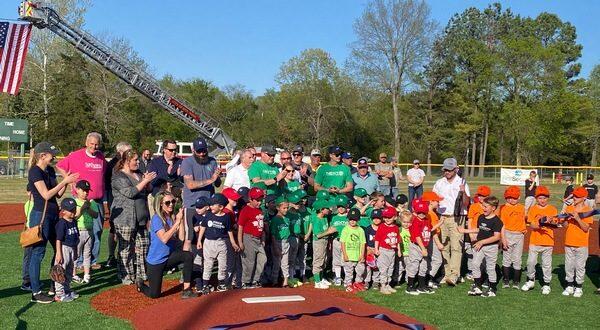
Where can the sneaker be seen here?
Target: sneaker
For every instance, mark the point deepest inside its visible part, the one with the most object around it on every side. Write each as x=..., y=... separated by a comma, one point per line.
x=350, y=288
x=488, y=293
x=384, y=290
x=546, y=290
x=188, y=293
x=256, y=285
x=528, y=286
x=460, y=280
x=247, y=286
x=96, y=266
x=77, y=279
x=359, y=286
x=578, y=293
x=206, y=289
x=126, y=282
x=391, y=289
x=111, y=261
x=51, y=292
x=86, y=279
x=337, y=281
x=474, y=291
x=485, y=285
x=326, y=281
x=412, y=291
x=41, y=298
x=74, y=295
x=425, y=290
x=568, y=291
x=321, y=285
x=470, y=277
x=505, y=285
x=221, y=288
x=65, y=298
x=26, y=286
x=516, y=286
x=375, y=286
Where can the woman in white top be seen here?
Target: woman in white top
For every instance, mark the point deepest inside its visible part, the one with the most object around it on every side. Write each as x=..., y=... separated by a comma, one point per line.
x=415, y=177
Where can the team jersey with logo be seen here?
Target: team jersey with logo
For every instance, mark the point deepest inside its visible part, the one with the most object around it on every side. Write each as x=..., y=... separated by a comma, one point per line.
x=420, y=228
x=543, y=236
x=339, y=221
x=319, y=225
x=513, y=217
x=253, y=221
x=217, y=226
x=354, y=241
x=333, y=175
x=574, y=235
x=388, y=236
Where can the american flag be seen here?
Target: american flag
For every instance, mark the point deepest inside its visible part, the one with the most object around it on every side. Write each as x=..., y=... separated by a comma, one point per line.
x=14, y=39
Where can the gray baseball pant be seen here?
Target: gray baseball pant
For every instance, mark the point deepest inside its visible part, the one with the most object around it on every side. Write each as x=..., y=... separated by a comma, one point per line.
x=399, y=268
x=338, y=259
x=372, y=274
x=529, y=202
x=349, y=268
x=469, y=256
x=513, y=256
x=253, y=259
x=435, y=259
x=489, y=255
x=84, y=247
x=385, y=263
x=575, y=259
x=215, y=250
x=292, y=255
x=532, y=257
x=319, y=251
x=281, y=251
x=69, y=255
x=417, y=263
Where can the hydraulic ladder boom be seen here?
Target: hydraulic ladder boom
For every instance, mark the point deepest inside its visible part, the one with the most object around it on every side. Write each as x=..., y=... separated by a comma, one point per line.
x=43, y=16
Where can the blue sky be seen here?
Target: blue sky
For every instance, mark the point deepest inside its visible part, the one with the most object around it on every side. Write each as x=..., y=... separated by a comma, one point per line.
x=245, y=42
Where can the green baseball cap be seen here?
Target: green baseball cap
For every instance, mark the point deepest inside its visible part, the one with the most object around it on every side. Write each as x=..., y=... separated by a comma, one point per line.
x=360, y=192
x=320, y=204
x=280, y=199
x=341, y=200
x=322, y=194
x=296, y=196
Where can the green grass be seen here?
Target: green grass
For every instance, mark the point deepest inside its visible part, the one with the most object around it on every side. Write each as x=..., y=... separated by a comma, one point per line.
x=452, y=308
x=13, y=190
x=16, y=310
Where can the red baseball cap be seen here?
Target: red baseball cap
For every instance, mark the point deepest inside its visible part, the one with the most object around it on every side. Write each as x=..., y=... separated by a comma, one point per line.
x=484, y=191
x=389, y=212
x=429, y=196
x=512, y=192
x=542, y=191
x=420, y=206
x=256, y=193
x=230, y=193
x=580, y=192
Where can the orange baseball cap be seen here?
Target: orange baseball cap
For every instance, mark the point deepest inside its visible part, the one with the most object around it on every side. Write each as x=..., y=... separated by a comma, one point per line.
x=542, y=191
x=430, y=196
x=580, y=192
x=484, y=191
x=512, y=192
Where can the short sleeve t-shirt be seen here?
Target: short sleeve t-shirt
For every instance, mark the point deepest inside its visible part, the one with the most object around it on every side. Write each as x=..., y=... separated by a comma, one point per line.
x=433, y=217
x=296, y=223
x=217, y=226
x=370, y=235
x=569, y=191
x=333, y=176
x=263, y=171
x=90, y=168
x=574, y=235
x=388, y=236
x=339, y=221
x=420, y=228
x=67, y=233
x=365, y=220
x=487, y=227
x=475, y=210
x=530, y=192
x=198, y=172
x=354, y=240
x=592, y=190
x=252, y=219
x=543, y=236
x=513, y=217
x=405, y=237
x=280, y=228
x=36, y=174
x=415, y=175
x=386, y=167
x=319, y=225
x=292, y=186
x=85, y=221
x=159, y=252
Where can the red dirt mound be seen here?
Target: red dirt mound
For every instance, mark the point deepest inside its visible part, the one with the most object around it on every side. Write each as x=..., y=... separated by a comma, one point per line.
x=12, y=217
x=227, y=308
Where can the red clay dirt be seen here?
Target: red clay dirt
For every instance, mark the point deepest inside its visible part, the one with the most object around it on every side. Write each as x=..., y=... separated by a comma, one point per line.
x=170, y=312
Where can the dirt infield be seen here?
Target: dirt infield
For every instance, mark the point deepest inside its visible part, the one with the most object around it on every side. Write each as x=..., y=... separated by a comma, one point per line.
x=170, y=312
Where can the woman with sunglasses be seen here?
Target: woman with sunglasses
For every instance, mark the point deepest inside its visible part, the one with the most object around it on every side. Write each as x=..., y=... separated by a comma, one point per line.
x=44, y=192
x=289, y=184
x=166, y=235
x=129, y=214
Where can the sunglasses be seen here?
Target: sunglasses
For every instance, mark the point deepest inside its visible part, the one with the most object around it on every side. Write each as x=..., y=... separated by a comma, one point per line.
x=445, y=170
x=289, y=170
x=270, y=155
x=297, y=154
x=286, y=158
x=171, y=150
x=202, y=151
x=169, y=202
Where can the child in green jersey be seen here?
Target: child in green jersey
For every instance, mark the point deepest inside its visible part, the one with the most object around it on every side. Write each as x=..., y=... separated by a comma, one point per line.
x=87, y=211
x=338, y=222
x=353, y=243
x=280, y=231
x=318, y=229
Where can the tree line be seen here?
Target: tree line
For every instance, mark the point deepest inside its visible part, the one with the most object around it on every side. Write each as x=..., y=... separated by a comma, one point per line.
x=491, y=87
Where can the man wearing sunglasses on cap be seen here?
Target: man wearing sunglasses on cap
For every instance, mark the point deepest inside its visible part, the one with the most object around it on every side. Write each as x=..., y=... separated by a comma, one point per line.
x=303, y=169
x=265, y=173
x=334, y=176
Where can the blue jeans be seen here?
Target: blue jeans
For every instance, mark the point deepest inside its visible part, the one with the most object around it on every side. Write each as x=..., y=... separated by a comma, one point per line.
x=414, y=193
x=97, y=233
x=38, y=250
x=384, y=190
x=25, y=267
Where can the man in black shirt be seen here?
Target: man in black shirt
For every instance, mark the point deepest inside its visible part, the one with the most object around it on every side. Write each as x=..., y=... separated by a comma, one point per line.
x=592, y=190
x=530, y=186
x=489, y=228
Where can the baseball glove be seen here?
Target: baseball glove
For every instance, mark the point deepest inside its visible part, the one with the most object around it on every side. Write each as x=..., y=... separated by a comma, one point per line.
x=57, y=274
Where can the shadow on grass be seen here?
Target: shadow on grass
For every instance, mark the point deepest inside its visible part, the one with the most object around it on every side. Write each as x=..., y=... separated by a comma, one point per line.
x=592, y=270
x=22, y=324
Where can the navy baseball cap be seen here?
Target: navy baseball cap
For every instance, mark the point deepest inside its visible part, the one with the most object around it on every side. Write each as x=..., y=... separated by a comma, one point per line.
x=45, y=147
x=200, y=144
x=68, y=204
x=243, y=191
x=377, y=214
x=270, y=198
x=219, y=199
x=335, y=150
x=202, y=202
x=83, y=185
x=347, y=155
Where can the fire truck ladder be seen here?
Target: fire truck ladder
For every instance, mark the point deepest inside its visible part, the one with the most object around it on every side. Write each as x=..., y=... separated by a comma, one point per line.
x=43, y=16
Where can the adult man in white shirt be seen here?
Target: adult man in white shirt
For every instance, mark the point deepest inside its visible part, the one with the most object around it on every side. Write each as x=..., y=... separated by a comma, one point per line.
x=237, y=176
x=449, y=187
x=415, y=177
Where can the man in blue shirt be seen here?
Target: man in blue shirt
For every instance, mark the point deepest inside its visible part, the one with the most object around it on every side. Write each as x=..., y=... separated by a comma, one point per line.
x=166, y=167
x=365, y=179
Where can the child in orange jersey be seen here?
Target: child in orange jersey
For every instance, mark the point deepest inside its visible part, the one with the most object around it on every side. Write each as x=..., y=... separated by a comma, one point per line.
x=576, y=243
x=541, y=240
x=475, y=210
x=435, y=248
x=512, y=215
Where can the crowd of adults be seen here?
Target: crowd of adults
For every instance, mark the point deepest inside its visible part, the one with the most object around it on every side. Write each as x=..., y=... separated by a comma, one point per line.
x=150, y=203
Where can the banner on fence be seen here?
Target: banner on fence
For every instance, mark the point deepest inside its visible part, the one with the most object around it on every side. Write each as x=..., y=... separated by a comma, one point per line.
x=515, y=176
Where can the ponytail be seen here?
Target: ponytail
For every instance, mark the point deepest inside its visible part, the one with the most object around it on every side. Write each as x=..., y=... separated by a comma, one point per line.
x=33, y=159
